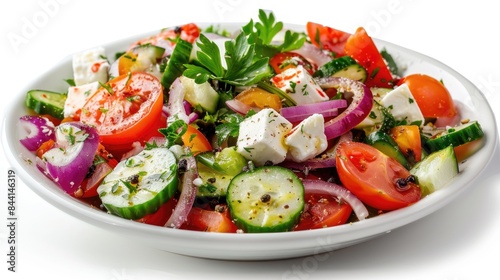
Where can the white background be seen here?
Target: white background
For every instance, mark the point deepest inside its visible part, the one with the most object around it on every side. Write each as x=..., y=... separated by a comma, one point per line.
x=460, y=241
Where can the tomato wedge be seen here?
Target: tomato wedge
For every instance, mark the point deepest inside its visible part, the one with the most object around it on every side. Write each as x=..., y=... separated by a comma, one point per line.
x=376, y=179
x=323, y=211
x=258, y=98
x=126, y=109
x=361, y=48
x=209, y=220
x=408, y=139
x=432, y=97
x=327, y=38
x=161, y=216
x=187, y=32
x=195, y=140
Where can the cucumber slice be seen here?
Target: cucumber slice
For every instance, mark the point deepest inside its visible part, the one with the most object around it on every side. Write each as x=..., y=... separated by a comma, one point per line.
x=175, y=66
x=217, y=170
x=455, y=136
x=200, y=95
x=227, y=161
x=266, y=199
x=214, y=183
x=46, y=102
x=150, y=51
x=436, y=170
x=344, y=66
x=384, y=143
x=139, y=185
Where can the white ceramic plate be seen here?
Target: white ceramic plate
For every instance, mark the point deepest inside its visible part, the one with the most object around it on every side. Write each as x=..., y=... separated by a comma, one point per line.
x=470, y=100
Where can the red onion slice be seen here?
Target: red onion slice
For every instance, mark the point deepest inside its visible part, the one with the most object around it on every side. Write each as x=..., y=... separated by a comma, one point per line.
x=175, y=105
x=238, y=106
x=34, y=131
x=69, y=161
x=187, y=196
x=358, y=109
x=301, y=112
x=322, y=187
x=314, y=54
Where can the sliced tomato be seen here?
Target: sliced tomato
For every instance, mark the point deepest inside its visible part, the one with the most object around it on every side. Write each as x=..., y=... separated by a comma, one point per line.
x=409, y=142
x=195, y=140
x=161, y=216
x=323, y=211
x=209, y=220
x=125, y=110
x=432, y=97
x=282, y=61
x=464, y=151
x=361, y=48
x=258, y=98
x=376, y=179
x=327, y=38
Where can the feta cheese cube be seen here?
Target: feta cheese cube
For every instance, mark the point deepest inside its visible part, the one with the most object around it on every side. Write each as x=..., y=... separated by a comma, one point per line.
x=307, y=139
x=77, y=97
x=262, y=137
x=299, y=85
x=403, y=106
x=90, y=66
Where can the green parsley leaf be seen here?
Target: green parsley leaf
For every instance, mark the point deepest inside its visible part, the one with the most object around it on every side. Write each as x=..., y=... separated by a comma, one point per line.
x=174, y=132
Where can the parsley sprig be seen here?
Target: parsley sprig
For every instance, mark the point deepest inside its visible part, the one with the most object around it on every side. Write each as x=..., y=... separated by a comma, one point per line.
x=246, y=57
x=263, y=33
x=242, y=67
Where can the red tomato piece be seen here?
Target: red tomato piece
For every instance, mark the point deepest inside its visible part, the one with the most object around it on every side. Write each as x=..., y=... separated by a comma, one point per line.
x=408, y=139
x=161, y=216
x=361, y=48
x=209, y=220
x=258, y=98
x=196, y=141
x=376, y=179
x=432, y=97
x=282, y=61
x=187, y=32
x=327, y=38
x=323, y=211
x=127, y=109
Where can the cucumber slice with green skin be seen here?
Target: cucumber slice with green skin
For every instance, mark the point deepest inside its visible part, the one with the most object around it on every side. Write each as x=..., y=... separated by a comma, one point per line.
x=344, y=66
x=201, y=96
x=384, y=143
x=217, y=169
x=214, y=183
x=175, y=66
x=140, y=184
x=436, y=170
x=455, y=136
x=46, y=102
x=266, y=199
x=150, y=51
x=227, y=161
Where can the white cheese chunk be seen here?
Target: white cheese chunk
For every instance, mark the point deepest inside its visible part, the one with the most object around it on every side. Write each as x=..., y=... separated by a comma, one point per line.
x=299, y=85
x=90, y=66
x=77, y=97
x=307, y=139
x=403, y=106
x=262, y=137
